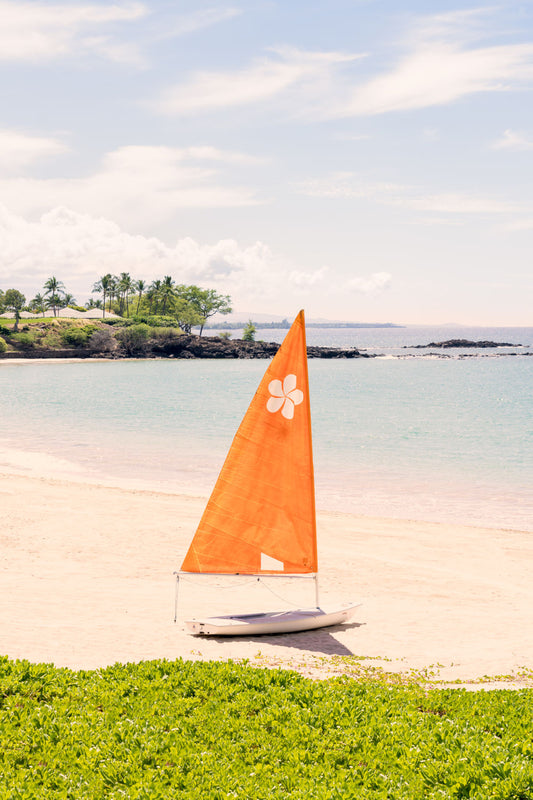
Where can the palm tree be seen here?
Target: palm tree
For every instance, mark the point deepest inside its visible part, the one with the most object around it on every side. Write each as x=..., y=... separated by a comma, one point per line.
x=126, y=285
x=153, y=294
x=38, y=304
x=54, y=290
x=113, y=292
x=69, y=300
x=105, y=285
x=141, y=287
x=167, y=293
x=93, y=304
x=54, y=302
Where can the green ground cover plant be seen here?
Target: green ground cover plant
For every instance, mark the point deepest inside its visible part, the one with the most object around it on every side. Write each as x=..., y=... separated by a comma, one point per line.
x=163, y=729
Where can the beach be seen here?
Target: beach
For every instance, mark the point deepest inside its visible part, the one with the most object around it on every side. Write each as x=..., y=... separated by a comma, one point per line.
x=87, y=581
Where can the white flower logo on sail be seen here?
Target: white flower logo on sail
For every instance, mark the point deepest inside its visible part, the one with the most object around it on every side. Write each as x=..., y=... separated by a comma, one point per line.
x=284, y=396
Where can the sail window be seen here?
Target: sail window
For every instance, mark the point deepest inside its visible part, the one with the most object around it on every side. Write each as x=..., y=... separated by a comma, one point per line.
x=271, y=564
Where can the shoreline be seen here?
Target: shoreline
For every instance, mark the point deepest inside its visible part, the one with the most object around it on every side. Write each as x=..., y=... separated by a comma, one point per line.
x=388, y=498
x=88, y=573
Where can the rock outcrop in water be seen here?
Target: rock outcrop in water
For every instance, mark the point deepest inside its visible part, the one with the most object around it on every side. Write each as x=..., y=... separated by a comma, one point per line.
x=463, y=343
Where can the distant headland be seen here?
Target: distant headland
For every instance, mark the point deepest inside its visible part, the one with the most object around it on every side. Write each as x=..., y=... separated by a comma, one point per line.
x=285, y=324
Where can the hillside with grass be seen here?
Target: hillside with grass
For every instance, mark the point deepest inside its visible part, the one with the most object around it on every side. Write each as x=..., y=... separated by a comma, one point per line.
x=117, y=338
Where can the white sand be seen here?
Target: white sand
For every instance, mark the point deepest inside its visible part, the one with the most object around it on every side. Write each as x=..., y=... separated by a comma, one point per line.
x=87, y=580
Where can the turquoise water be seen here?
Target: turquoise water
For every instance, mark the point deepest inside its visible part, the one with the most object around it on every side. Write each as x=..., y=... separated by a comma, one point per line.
x=401, y=340
x=422, y=438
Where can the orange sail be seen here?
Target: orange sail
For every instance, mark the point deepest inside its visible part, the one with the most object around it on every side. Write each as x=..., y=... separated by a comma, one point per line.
x=260, y=517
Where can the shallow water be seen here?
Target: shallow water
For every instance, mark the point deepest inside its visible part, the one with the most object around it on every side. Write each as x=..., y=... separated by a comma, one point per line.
x=422, y=438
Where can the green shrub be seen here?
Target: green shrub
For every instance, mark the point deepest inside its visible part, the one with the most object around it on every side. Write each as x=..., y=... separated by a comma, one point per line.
x=156, y=320
x=249, y=331
x=118, y=323
x=102, y=341
x=4, y=331
x=134, y=339
x=3, y=345
x=52, y=339
x=24, y=340
x=74, y=337
x=164, y=335
x=77, y=337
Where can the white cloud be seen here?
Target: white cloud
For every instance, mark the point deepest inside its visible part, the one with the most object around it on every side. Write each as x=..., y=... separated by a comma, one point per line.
x=440, y=73
x=301, y=279
x=265, y=78
x=42, y=31
x=442, y=64
x=442, y=61
x=349, y=186
x=513, y=140
x=138, y=186
x=208, y=153
x=374, y=283
x=465, y=25
x=198, y=20
x=78, y=248
x=18, y=150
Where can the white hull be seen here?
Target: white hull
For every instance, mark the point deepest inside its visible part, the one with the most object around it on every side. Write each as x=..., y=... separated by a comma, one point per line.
x=302, y=619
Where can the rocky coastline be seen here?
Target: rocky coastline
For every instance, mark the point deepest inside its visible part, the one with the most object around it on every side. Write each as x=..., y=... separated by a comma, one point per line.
x=187, y=347
x=213, y=347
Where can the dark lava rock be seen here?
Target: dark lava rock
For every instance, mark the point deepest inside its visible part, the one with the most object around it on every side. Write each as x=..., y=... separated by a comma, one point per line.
x=214, y=347
x=464, y=343
x=189, y=347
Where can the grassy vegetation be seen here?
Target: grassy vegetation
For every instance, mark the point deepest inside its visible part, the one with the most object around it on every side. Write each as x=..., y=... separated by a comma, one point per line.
x=216, y=730
x=131, y=337
x=49, y=333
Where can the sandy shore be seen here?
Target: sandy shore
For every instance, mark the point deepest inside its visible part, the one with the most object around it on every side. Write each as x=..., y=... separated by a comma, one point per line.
x=87, y=580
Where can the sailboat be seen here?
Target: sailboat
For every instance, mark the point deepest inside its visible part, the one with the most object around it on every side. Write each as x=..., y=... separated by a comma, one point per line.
x=260, y=519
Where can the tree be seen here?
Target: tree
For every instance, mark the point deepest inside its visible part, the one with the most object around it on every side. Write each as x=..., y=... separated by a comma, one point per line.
x=186, y=315
x=125, y=287
x=249, y=331
x=167, y=294
x=207, y=302
x=38, y=304
x=53, y=302
x=153, y=295
x=69, y=300
x=93, y=304
x=54, y=290
x=14, y=301
x=140, y=287
x=104, y=285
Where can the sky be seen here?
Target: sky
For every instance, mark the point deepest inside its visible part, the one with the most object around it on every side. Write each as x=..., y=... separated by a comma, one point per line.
x=365, y=160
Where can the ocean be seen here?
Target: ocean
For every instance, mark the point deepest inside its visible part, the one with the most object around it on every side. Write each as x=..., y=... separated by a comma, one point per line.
x=436, y=435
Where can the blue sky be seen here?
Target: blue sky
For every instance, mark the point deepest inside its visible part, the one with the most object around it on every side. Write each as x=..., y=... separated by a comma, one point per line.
x=362, y=160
